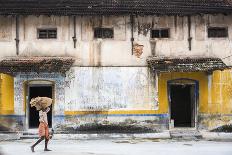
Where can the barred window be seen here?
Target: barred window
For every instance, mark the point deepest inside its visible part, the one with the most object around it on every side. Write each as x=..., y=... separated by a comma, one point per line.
x=47, y=33
x=217, y=32
x=103, y=33
x=160, y=33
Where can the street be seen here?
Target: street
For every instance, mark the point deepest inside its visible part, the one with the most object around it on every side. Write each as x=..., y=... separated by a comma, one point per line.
x=118, y=147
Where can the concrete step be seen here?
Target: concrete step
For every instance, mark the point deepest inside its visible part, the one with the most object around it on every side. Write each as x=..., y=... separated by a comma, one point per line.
x=29, y=135
x=9, y=136
x=186, y=134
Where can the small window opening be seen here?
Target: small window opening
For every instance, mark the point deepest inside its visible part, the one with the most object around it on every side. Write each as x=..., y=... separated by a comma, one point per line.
x=160, y=33
x=47, y=33
x=103, y=33
x=217, y=32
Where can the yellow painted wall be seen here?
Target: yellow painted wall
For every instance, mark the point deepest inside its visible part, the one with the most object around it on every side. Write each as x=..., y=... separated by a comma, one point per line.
x=215, y=93
x=201, y=77
x=221, y=93
x=6, y=94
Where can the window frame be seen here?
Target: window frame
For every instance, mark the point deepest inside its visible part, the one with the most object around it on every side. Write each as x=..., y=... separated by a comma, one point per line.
x=218, y=27
x=160, y=34
x=46, y=29
x=102, y=28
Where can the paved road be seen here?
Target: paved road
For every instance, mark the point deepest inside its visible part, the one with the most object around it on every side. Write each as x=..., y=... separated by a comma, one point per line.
x=119, y=147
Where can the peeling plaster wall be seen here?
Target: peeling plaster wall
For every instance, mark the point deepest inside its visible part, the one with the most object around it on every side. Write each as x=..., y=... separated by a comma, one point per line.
x=18, y=121
x=111, y=99
x=99, y=52
x=110, y=88
x=114, y=85
x=215, y=101
x=218, y=110
x=94, y=99
x=19, y=95
x=7, y=36
x=7, y=121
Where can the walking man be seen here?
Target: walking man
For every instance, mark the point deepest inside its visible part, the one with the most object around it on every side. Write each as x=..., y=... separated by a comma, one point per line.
x=43, y=129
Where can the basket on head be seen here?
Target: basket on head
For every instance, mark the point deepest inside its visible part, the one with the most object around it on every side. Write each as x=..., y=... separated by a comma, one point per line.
x=41, y=102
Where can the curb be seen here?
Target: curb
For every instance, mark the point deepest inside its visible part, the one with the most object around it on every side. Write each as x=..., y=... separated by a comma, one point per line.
x=9, y=136
x=216, y=136
x=163, y=135
x=212, y=136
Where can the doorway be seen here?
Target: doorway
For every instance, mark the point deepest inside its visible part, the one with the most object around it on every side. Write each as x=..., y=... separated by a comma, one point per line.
x=35, y=91
x=182, y=98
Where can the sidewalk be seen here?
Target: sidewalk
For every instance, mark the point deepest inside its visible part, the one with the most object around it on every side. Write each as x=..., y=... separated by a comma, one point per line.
x=162, y=135
x=214, y=136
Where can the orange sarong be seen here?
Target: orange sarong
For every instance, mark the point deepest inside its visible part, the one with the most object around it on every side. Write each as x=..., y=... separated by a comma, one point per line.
x=43, y=130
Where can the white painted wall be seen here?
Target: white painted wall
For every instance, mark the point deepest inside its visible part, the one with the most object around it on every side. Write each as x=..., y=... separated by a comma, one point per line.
x=117, y=51
x=110, y=88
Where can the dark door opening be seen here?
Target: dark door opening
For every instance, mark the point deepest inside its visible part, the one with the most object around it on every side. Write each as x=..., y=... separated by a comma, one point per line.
x=182, y=105
x=35, y=91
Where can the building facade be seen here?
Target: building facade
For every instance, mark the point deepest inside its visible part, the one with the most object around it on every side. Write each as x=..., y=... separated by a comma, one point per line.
x=110, y=67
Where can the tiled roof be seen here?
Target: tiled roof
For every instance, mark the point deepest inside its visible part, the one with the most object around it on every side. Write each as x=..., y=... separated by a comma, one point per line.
x=12, y=65
x=114, y=7
x=185, y=64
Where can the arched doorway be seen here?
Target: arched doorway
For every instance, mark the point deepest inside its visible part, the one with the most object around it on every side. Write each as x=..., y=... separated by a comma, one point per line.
x=183, y=98
x=35, y=89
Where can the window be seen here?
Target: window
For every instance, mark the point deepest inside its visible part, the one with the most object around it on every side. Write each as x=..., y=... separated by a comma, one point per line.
x=47, y=33
x=217, y=32
x=160, y=33
x=103, y=33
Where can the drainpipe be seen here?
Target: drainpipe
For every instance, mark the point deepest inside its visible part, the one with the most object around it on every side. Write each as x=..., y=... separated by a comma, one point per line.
x=132, y=32
x=75, y=33
x=189, y=33
x=17, y=34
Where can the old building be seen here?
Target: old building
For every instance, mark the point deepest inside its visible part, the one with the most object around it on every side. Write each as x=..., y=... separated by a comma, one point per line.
x=116, y=66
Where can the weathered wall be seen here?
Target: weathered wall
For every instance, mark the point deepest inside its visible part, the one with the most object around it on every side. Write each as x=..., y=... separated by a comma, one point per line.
x=6, y=102
x=21, y=93
x=112, y=104
x=99, y=52
x=21, y=81
x=92, y=99
x=7, y=36
x=112, y=99
x=7, y=95
x=110, y=88
x=215, y=101
x=164, y=78
x=201, y=77
x=218, y=110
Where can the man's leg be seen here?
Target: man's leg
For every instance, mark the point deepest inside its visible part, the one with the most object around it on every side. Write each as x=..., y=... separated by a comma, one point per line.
x=36, y=143
x=46, y=145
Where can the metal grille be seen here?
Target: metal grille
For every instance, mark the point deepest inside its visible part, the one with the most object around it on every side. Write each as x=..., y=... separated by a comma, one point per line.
x=217, y=32
x=103, y=33
x=47, y=33
x=160, y=33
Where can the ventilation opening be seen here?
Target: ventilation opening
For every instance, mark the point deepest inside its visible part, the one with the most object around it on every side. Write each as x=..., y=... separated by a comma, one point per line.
x=47, y=33
x=217, y=32
x=103, y=33
x=35, y=91
x=160, y=33
x=182, y=105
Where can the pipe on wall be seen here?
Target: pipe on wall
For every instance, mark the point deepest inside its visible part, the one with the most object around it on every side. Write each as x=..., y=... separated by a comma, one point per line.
x=189, y=33
x=74, y=33
x=17, y=34
x=132, y=32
